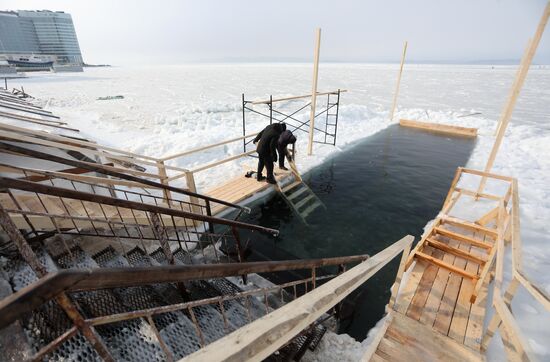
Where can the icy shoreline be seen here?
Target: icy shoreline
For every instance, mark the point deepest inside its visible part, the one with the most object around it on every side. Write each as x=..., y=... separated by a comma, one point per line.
x=161, y=116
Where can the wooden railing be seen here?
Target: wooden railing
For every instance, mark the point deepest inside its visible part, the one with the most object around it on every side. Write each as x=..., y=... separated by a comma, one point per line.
x=259, y=339
x=516, y=345
x=147, y=167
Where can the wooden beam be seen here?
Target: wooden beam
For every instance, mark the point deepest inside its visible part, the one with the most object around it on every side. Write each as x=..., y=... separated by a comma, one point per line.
x=440, y=128
x=459, y=237
x=204, y=148
x=399, y=277
x=398, y=81
x=456, y=252
x=442, y=264
x=487, y=174
x=516, y=89
x=520, y=343
x=488, y=217
x=468, y=225
x=267, y=101
x=259, y=339
x=314, y=90
x=535, y=292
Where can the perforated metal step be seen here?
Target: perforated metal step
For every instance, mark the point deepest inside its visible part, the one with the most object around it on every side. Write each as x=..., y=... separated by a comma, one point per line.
x=128, y=340
x=49, y=321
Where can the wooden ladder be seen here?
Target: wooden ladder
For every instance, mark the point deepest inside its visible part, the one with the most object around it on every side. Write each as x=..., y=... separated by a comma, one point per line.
x=298, y=195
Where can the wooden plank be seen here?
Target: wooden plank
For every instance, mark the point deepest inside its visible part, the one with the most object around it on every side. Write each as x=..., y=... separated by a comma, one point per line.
x=314, y=90
x=448, y=302
x=514, y=93
x=304, y=201
x=369, y=354
x=394, y=104
x=297, y=193
x=259, y=339
x=204, y=148
x=424, y=287
x=413, y=341
x=474, y=329
x=439, y=128
x=404, y=297
x=461, y=313
x=469, y=225
x=442, y=264
x=488, y=217
x=456, y=252
x=460, y=237
x=429, y=313
x=297, y=97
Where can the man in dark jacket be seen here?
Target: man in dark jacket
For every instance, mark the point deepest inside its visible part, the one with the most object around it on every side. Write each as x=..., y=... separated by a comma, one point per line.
x=266, y=146
x=285, y=139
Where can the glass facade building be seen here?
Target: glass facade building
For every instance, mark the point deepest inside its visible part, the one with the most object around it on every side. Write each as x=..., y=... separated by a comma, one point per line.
x=39, y=32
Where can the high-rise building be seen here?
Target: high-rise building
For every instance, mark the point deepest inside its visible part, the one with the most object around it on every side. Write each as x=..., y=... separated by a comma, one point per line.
x=39, y=33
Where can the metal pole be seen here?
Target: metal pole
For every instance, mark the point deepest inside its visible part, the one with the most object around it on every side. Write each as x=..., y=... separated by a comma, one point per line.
x=6, y=83
x=271, y=109
x=314, y=90
x=336, y=118
x=244, y=126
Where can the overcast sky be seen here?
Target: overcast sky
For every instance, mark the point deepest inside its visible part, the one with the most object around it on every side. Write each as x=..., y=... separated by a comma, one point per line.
x=175, y=31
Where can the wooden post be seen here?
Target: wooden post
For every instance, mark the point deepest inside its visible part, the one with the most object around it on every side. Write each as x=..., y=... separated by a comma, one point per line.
x=514, y=85
x=164, y=180
x=398, y=81
x=314, y=90
x=518, y=84
x=190, y=178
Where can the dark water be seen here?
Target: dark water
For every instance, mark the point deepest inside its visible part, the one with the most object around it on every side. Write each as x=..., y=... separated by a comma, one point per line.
x=377, y=191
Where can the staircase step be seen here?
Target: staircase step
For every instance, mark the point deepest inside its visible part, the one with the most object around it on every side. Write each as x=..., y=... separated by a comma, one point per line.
x=291, y=186
x=304, y=201
x=181, y=337
x=127, y=340
x=297, y=193
x=310, y=209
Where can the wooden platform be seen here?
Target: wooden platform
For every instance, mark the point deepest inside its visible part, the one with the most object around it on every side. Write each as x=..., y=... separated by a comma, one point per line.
x=440, y=307
x=408, y=340
x=242, y=188
x=433, y=318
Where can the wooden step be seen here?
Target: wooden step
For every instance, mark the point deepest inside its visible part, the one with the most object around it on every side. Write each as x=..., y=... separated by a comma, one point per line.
x=456, y=252
x=291, y=186
x=310, y=209
x=469, y=225
x=304, y=201
x=297, y=193
x=449, y=267
x=460, y=237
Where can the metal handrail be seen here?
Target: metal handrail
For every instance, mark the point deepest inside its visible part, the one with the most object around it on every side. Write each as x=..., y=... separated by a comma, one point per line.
x=78, y=280
x=85, y=196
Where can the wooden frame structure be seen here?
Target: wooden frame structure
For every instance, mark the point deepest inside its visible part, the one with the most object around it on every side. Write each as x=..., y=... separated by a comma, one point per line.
x=481, y=251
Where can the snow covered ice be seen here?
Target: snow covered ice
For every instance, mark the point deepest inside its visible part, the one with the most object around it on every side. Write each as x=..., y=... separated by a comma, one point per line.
x=169, y=109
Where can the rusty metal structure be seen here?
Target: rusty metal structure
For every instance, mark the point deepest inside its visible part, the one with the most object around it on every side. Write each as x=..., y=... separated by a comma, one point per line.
x=105, y=261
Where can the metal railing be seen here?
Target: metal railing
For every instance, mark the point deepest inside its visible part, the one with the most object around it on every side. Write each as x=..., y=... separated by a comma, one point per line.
x=66, y=288
x=294, y=124
x=261, y=338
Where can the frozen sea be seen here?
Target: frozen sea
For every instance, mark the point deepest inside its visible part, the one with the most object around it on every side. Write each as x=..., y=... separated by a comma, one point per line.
x=169, y=109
